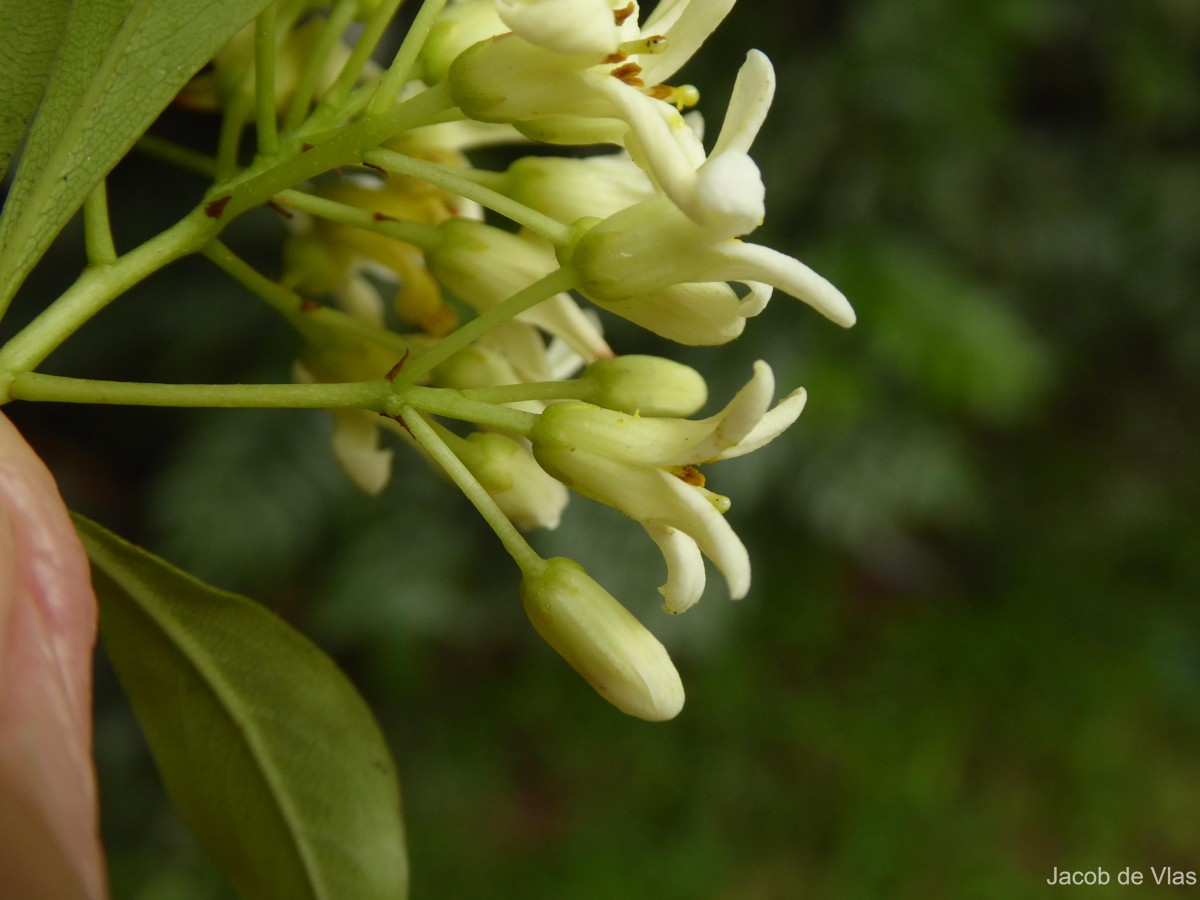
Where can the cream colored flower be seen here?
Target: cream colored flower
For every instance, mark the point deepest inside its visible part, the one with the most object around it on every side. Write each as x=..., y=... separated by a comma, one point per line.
x=571, y=67
x=647, y=468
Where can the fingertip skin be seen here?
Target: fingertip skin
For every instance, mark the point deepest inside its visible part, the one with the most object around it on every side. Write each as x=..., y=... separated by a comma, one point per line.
x=49, y=837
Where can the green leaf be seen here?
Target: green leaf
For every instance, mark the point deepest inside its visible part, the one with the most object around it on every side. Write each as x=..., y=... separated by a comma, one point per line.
x=120, y=64
x=28, y=39
x=267, y=751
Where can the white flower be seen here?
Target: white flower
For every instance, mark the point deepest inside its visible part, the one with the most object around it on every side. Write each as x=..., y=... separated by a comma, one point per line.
x=723, y=191
x=568, y=65
x=653, y=265
x=646, y=468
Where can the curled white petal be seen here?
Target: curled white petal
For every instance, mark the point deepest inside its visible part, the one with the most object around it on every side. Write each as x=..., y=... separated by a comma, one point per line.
x=736, y=260
x=712, y=532
x=770, y=426
x=756, y=300
x=731, y=425
x=729, y=195
x=685, y=568
x=748, y=105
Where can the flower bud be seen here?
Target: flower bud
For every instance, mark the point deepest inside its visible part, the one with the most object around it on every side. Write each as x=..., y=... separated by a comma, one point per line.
x=602, y=640
x=457, y=27
x=646, y=385
x=568, y=189
x=506, y=469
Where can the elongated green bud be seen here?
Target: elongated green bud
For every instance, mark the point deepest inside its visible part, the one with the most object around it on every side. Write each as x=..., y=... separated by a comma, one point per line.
x=602, y=640
x=646, y=385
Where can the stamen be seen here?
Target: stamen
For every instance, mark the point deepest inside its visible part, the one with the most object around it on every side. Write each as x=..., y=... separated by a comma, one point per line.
x=620, y=15
x=614, y=58
x=690, y=475
x=653, y=44
x=686, y=96
x=628, y=73
x=683, y=97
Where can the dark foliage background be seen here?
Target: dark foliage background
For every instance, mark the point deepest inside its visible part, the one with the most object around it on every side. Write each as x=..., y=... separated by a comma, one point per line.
x=971, y=653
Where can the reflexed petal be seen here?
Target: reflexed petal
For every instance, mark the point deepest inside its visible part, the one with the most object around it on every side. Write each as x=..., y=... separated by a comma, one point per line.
x=730, y=198
x=748, y=106
x=770, y=426
x=756, y=301
x=650, y=495
x=737, y=420
x=695, y=515
x=685, y=568
x=737, y=261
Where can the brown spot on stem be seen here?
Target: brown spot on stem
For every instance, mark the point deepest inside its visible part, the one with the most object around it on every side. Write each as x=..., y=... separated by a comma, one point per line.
x=304, y=148
x=279, y=208
x=383, y=173
x=307, y=306
x=395, y=370
x=214, y=209
x=383, y=217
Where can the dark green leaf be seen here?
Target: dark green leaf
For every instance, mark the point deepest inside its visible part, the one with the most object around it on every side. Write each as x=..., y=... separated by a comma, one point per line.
x=120, y=64
x=267, y=751
x=28, y=39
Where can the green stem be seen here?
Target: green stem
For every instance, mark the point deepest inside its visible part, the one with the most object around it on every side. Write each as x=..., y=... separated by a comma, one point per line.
x=237, y=114
x=372, y=395
x=449, y=179
x=555, y=283
x=416, y=233
x=344, y=147
x=264, y=81
x=183, y=157
x=574, y=389
x=314, y=65
x=362, y=51
x=97, y=233
x=95, y=289
x=303, y=314
x=398, y=74
x=452, y=403
x=516, y=545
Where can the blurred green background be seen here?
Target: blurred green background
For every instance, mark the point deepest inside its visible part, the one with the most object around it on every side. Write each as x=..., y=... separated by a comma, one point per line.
x=972, y=649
